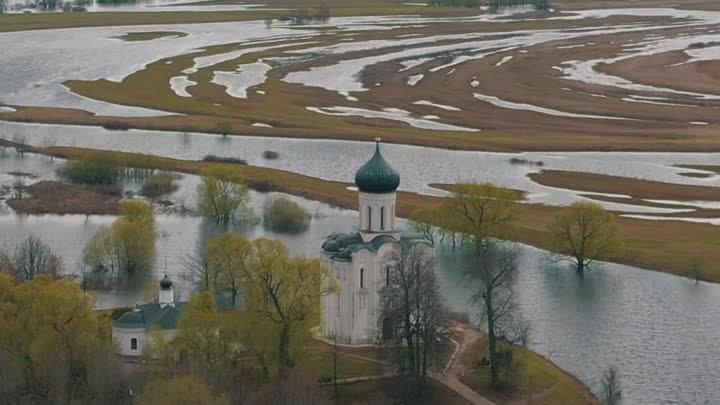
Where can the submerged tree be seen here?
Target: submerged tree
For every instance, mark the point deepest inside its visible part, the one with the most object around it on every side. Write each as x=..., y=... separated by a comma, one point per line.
x=126, y=246
x=29, y=259
x=483, y=212
x=281, y=214
x=585, y=232
x=222, y=195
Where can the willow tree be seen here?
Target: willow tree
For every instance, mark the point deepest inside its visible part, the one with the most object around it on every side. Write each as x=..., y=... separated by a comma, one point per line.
x=230, y=258
x=207, y=335
x=57, y=344
x=286, y=292
x=483, y=212
x=585, y=232
x=222, y=195
x=128, y=245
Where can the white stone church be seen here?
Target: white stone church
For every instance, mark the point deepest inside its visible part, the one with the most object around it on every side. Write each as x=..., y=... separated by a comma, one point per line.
x=362, y=261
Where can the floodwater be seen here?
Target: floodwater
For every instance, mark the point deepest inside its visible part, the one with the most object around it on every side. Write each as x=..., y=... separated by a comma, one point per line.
x=418, y=166
x=658, y=329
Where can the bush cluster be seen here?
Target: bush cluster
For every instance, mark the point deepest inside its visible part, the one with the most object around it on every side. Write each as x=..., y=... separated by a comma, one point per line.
x=159, y=184
x=283, y=215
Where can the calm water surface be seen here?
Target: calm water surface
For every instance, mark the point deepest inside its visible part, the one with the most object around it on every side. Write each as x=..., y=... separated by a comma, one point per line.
x=418, y=166
x=660, y=330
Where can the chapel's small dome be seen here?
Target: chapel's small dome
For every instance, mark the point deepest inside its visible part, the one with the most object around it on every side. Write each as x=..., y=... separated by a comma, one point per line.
x=166, y=283
x=376, y=176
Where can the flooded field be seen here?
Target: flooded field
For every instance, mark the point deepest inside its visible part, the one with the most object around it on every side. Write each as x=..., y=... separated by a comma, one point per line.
x=569, y=78
x=631, y=94
x=655, y=327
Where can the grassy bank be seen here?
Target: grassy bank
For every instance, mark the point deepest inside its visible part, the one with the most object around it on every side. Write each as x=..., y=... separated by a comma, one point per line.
x=539, y=381
x=667, y=246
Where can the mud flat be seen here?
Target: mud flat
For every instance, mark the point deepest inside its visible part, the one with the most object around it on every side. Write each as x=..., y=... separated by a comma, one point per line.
x=51, y=197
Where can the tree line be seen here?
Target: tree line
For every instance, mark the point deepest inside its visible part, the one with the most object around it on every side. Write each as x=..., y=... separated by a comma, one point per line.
x=493, y=5
x=480, y=217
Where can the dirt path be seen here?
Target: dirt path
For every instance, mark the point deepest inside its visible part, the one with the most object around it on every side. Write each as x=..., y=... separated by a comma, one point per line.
x=467, y=336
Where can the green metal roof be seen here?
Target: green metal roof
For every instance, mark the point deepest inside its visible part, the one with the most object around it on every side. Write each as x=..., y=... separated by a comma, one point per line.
x=341, y=246
x=151, y=315
x=376, y=175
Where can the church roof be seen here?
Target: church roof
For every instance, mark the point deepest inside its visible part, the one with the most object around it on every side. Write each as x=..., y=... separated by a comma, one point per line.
x=341, y=246
x=151, y=315
x=376, y=176
x=166, y=283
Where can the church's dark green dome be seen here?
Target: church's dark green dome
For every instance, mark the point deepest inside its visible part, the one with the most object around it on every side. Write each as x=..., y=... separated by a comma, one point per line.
x=376, y=176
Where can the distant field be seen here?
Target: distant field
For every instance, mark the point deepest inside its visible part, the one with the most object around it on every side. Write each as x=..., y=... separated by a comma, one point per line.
x=505, y=96
x=339, y=8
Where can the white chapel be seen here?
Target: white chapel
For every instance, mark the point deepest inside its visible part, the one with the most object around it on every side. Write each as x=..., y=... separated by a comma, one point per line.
x=362, y=261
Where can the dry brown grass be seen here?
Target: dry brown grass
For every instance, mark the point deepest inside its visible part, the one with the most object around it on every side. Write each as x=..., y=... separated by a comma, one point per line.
x=637, y=188
x=528, y=78
x=51, y=197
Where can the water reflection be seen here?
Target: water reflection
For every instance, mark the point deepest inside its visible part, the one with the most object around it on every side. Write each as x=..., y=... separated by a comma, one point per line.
x=418, y=166
x=660, y=330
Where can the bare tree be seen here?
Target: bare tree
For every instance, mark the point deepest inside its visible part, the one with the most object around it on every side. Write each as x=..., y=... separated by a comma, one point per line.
x=18, y=188
x=199, y=265
x=493, y=271
x=611, y=390
x=7, y=260
x=33, y=258
x=412, y=310
x=19, y=143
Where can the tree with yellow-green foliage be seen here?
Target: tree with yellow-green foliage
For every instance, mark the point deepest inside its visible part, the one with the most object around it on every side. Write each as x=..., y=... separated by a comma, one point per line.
x=222, y=195
x=585, y=232
x=179, y=391
x=126, y=246
x=425, y=221
x=286, y=291
x=208, y=335
x=483, y=212
x=54, y=347
x=230, y=257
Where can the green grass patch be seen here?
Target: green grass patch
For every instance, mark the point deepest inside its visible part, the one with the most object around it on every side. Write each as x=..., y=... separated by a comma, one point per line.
x=536, y=378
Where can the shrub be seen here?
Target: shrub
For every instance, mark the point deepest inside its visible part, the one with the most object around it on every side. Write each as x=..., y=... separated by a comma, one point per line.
x=159, y=184
x=223, y=159
x=521, y=161
x=283, y=215
x=96, y=170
